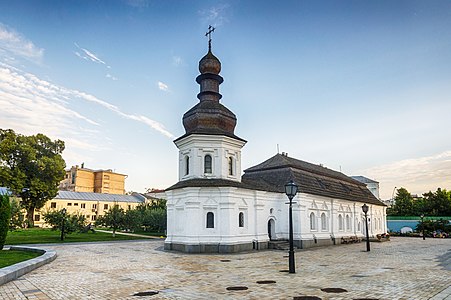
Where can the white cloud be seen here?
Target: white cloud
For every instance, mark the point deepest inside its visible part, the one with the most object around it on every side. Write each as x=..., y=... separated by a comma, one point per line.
x=215, y=16
x=162, y=86
x=108, y=75
x=176, y=60
x=89, y=55
x=417, y=175
x=13, y=44
x=28, y=102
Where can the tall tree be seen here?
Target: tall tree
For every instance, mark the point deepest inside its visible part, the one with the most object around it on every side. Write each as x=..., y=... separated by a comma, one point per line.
x=32, y=167
x=403, y=203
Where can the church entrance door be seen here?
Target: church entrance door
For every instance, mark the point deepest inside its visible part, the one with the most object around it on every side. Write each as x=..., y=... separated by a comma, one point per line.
x=271, y=229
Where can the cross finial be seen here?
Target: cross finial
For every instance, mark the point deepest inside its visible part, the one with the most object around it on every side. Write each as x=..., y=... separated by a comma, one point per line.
x=208, y=33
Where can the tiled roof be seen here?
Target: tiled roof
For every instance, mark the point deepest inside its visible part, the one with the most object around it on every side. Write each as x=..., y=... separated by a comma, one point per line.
x=67, y=195
x=274, y=173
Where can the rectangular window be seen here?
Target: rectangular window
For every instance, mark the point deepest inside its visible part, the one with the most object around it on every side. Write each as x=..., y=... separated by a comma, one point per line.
x=93, y=217
x=94, y=206
x=83, y=205
x=105, y=206
x=106, y=177
x=69, y=204
x=37, y=218
x=129, y=207
x=75, y=204
x=52, y=204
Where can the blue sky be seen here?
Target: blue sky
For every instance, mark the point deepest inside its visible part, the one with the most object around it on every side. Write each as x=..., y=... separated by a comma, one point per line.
x=360, y=86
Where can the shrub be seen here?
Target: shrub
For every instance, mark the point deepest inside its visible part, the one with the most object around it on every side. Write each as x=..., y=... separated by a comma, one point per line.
x=5, y=215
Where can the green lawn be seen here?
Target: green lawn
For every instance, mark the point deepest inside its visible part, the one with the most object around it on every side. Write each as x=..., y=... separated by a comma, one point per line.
x=46, y=236
x=11, y=257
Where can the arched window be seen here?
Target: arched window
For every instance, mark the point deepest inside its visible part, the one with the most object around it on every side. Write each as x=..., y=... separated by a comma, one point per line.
x=348, y=223
x=230, y=165
x=210, y=220
x=241, y=219
x=323, y=221
x=340, y=222
x=312, y=221
x=207, y=164
x=186, y=165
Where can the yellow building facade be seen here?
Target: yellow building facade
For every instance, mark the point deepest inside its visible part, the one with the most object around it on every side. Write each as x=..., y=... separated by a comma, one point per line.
x=80, y=179
x=91, y=205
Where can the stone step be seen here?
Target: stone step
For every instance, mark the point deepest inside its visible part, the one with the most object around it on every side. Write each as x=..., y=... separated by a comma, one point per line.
x=279, y=245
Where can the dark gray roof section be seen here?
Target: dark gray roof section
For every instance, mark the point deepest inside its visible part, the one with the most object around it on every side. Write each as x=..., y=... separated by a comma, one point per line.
x=67, y=195
x=274, y=173
x=364, y=179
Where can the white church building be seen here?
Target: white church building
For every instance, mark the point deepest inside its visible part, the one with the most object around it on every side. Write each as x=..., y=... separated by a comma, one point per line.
x=213, y=208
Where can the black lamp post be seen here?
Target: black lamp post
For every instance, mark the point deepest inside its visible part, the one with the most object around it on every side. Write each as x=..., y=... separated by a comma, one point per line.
x=63, y=222
x=291, y=190
x=422, y=225
x=365, y=211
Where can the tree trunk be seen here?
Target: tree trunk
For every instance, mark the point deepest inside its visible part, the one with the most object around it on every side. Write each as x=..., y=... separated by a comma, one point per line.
x=114, y=232
x=30, y=218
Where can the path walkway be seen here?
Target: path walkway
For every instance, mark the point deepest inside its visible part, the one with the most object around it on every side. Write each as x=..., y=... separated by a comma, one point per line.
x=404, y=268
x=131, y=234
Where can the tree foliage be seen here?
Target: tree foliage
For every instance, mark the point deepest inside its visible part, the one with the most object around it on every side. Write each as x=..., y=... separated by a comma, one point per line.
x=32, y=167
x=5, y=215
x=72, y=222
x=17, y=218
x=436, y=203
x=114, y=218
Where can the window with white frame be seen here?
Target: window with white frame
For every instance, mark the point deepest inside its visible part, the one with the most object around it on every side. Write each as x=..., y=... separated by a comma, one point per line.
x=210, y=220
x=241, y=219
x=186, y=165
x=230, y=165
x=340, y=222
x=312, y=221
x=323, y=221
x=348, y=223
x=207, y=164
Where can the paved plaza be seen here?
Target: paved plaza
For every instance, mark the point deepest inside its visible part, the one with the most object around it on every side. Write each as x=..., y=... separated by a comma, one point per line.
x=404, y=268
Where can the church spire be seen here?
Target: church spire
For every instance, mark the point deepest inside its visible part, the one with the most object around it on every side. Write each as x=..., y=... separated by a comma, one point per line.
x=209, y=116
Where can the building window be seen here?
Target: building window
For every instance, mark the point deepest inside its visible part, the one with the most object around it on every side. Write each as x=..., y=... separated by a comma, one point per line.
x=230, y=165
x=105, y=206
x=348, y=223
x=69, y=204
x=129, y=207
x=241, y=219
x=210, y=220
x=207, y=164
x=93, y=217
x=186, y=165
x=340, y=222
x=323, y=221
x=75, y=204
x=37, y=218
x=358, y=226
x=106, y=177
x=52, y=204
x=94, y=206
x=312, y=221
x=83, y=205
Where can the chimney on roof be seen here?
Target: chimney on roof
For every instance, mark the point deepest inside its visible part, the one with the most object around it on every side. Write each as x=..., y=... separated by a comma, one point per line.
x=82, y=165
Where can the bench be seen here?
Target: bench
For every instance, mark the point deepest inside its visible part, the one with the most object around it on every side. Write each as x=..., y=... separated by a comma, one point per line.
x=350, y=239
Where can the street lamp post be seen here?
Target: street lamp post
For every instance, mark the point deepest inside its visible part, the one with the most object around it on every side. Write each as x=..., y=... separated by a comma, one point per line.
x=422, y=225
x=291, y=190
x=63, y=222
x=365, y=211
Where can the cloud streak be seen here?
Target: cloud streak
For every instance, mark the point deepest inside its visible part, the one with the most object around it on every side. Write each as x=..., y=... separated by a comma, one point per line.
x=216, y=15
x=88, y=55
x=28, y=103
x=13, y=44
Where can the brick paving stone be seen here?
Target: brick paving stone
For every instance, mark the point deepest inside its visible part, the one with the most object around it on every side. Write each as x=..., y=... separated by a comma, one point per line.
x=404, y=268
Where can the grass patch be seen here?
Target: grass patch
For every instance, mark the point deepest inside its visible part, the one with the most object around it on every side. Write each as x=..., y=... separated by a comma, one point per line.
x=11, y=257
x=48, y=236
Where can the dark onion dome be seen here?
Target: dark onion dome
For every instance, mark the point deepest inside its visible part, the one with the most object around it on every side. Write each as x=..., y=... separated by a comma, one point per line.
x=209, y=116
x=209, y=64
